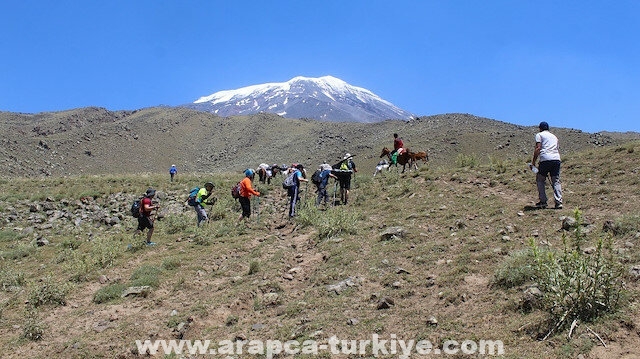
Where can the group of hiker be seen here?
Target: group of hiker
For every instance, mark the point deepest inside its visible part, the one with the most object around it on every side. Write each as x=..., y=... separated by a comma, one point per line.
x=546, y=151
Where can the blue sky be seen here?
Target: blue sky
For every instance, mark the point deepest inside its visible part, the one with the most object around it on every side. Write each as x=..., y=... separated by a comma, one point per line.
x=571, y=63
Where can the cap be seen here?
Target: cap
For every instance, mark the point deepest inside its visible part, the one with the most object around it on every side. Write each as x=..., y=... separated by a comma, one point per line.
x=150, y=192
x=249, y=172
x=326, y=166
x=347, y=155
x=209, y=184
x=543, y=126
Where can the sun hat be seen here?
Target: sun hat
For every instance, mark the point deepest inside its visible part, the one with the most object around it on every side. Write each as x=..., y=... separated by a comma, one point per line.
x=347, y=155
x=249, y=172
x=150, y=192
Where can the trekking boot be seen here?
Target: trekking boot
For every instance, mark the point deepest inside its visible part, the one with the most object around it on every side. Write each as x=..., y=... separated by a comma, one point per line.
x=541, y=205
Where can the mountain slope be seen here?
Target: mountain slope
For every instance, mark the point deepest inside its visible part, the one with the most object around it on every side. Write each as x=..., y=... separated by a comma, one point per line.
x=326, y=98
x=97, y=141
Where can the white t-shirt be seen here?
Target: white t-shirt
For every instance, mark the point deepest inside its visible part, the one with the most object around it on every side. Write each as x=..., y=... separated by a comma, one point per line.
x=549, y=149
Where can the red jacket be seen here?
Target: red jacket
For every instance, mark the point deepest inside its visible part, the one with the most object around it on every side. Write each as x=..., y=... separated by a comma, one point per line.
x=397, y=143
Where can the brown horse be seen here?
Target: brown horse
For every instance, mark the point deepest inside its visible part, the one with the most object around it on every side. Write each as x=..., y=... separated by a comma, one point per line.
x=402, y=159
x=416, y=156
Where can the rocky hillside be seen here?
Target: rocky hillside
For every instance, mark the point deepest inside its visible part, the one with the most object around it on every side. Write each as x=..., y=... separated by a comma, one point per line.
x=98, y=141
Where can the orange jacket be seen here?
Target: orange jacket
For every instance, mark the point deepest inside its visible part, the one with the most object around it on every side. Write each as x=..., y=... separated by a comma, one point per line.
x=245, y=188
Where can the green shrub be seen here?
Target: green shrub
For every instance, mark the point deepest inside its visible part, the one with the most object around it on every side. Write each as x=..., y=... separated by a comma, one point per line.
x=7, y=235
x=33, y=328
x=103, y=253
x=10, y=279
x=517, y=270
x=466, y=160
x=109, y=293
x=171, y=263
x=497, y=165
x=48, y=292
x=626, y=224
x=21, y=250
x=336, y=221
x=575, y=285
x=79, y=264
x=177, y=224
x=146, y=275
x=254, y=267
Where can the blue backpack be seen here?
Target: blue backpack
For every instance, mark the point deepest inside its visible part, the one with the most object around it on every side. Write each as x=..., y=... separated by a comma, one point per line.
x=193, y=195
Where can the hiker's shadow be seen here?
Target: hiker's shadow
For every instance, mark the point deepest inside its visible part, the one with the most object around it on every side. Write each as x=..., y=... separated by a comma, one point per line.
x=532, y=208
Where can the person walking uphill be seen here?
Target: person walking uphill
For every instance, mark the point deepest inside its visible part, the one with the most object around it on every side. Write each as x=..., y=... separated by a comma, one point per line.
x=547, y=150
x=172, y=171
x=246, y=190
x=144, y=220
x=343, y=170
x=202, y=199
x=322, y=185
x=294, y=190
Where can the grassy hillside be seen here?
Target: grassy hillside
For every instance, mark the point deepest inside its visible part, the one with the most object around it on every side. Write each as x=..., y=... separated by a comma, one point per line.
x=457, y=268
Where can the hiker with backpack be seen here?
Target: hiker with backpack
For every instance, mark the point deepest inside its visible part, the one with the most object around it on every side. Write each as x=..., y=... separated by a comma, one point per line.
x=343, y=170
x=172, y=171
x=198, y=197
x=292, y=185
x=246, y=191
x=321, y=179
x=145, y=221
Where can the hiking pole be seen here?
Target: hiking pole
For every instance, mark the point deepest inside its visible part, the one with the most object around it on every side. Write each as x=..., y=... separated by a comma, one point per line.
x=335, y=189
x=257, y=209
x=304, y=198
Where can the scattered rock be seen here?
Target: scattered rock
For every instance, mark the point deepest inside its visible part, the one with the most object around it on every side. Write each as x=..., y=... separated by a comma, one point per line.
x=342, y=285
x=271, y=298
x=101, y=326
x=430, y=281
x=531, y=299
x=569, y=223
x=353, y=321
x=385, y=303
x=635, y=272
x=392, y=233
x=142, y=291
x=432, y=321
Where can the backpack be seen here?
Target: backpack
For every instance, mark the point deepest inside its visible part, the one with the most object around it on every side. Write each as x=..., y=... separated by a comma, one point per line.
x=193, y=195
x=135, y=208
x=316, y=178
x=290, y=181
x=235, y=190
x=346, y=165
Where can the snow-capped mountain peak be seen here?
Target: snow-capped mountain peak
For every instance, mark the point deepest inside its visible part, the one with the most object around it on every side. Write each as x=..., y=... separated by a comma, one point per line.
x=324, y=98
